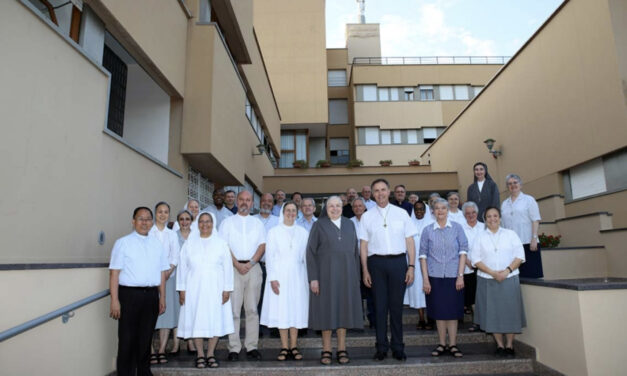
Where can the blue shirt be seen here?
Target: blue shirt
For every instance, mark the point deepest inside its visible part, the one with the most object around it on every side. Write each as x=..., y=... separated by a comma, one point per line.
x=306, y=225
x=442, y=248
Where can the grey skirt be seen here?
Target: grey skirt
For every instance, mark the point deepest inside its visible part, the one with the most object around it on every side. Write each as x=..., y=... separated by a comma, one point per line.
x=499, y=306
x=170, y=318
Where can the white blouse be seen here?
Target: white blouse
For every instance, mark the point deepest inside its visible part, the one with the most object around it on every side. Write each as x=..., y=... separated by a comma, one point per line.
x=519, y=216
x=496, y=251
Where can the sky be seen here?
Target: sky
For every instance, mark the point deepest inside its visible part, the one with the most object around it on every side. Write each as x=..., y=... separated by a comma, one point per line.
x=443, y=27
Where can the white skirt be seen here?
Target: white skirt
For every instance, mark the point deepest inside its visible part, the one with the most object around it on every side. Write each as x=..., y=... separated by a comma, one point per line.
x=414, y=296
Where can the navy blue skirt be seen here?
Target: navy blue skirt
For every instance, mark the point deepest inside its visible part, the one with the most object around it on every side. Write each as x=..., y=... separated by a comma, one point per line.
x=445, y=302
x=532, y=267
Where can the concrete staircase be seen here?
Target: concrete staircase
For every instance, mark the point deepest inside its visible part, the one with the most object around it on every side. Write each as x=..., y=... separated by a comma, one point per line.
x=478, y=357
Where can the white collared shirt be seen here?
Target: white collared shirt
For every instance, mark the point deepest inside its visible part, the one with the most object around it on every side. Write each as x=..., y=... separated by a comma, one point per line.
x=458, y=217
x=471, y=235
x=243, y=234
x=221, y=214
x=369, y=204
x=385, y=230
x=268, y=223
x=170, y=241
x=519, y=216
x=496, y=251
x=140, y=260
x=357, y=224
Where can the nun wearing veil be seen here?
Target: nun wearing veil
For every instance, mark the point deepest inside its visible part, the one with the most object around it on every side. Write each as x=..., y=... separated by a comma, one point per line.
x=193, y=207
x=205, y=281
x=483, y=191
x=286, y=295
x=333, y=270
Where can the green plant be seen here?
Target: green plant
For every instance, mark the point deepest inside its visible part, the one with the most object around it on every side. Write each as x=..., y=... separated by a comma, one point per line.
x=323, y=163
x=414, y=162
x=549, y=241
x=385, y=162
x=355, y=163
x=299, y=163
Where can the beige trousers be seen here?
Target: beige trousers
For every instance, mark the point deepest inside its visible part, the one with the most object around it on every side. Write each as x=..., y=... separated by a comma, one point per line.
x=246, y=291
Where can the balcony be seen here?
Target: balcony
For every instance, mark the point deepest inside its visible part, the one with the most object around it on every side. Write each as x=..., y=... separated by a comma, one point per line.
x=431, y=60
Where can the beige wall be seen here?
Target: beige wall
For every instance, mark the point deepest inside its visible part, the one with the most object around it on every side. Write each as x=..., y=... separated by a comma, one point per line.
x=362, y=40
x=56, y=343
x=535, y=108
x=337, y=58
x=216, y=133
x=399, y=115
x=574, y=263
x=613, y=202
x=292, y=38
x=57, y=160
x=399, y=154
x=340, y=179
x=411, y=75
x=618, y=13
x=157, y=39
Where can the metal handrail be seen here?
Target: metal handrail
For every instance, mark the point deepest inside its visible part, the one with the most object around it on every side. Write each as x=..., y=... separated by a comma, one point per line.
x=64, y=312
x=419, y=60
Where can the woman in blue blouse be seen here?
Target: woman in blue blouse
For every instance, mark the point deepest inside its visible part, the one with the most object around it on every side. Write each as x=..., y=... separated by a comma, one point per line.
x=443, y=249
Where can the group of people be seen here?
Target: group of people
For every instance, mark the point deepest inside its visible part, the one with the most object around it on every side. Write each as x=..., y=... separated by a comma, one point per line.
x=290, y=270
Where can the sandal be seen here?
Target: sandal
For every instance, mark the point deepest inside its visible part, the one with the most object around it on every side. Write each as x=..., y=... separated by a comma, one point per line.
x=282, y=355
x=162, y=358
x=455, y=352
x=439, y=350
x=154, y=359
x=200, y=362
x=474, y=328
x=212, y=362
x=325, y=358
x=342, y=357
x=467, y=311
x=296, y=355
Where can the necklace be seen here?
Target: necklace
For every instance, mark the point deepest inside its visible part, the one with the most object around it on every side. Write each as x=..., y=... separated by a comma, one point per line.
x=494, y=243
x=385, y=217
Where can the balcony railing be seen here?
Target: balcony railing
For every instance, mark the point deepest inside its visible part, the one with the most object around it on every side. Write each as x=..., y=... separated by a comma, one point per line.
x=429, y=60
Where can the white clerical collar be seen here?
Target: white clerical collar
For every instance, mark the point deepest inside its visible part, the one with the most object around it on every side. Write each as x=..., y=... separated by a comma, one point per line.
x=384, y=208
x=436, y=225
x=140, y=235
x=337, y=222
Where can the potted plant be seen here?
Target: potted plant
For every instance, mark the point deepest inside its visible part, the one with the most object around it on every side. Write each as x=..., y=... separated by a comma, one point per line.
x=355, y=163
x=414, y=162
x=299, y=163
x=385, y=162
x=323, y=163
x=549, y=241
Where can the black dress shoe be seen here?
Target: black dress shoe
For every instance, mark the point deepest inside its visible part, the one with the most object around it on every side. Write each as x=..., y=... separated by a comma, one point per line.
x=253, y=355
x=233, y=356
x=499, y=352
x=380, y=355
x=399, y=355
x=509, y=352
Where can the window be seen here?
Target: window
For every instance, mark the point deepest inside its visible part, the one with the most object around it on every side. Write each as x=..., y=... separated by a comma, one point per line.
x=367, y=93
x=408, y=93
x=336, y=77
x=199, y=188
x=446, y=93
x=371, y=136
x=386, y=137
x=396, y=136
x=338, y=150
x=461, y=92
x=139, y=109
x=394, y=94
x=412, y=136
x=426, y=92
x=338, y=111
x=600, y=175
x=293, y=147
x=476, y=90
x=429, y=135
x=384, y=94
x=65, y=14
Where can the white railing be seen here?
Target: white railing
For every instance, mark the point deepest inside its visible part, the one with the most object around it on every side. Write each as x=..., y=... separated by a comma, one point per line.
x=419, y=60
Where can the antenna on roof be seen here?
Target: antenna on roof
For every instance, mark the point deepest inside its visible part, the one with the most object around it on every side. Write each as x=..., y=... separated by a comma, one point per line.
x=362, y=11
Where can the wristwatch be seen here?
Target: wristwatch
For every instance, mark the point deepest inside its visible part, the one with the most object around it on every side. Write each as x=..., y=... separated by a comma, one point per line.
x=252, y=262
x=460, y=275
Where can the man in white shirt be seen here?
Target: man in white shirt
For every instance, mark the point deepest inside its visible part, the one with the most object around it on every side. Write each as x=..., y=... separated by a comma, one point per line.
x=366, y=193
x=137, y=274
x=308, y=208
x=279, y=199
x=246, y=237
x=386, y=245
x=218, y=208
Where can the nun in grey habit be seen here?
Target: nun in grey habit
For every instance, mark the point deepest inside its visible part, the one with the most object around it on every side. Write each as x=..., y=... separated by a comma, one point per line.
x=334, y=273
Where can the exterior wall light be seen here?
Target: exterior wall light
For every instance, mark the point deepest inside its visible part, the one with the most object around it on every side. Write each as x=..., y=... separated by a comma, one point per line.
x=489, y=143
x=260, y=149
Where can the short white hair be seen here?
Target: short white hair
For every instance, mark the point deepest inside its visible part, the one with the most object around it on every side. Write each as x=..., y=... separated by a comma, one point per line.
x=470, y=204
x=440, y=201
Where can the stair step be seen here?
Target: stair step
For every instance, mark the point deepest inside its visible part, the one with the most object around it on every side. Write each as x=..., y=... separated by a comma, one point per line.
x=478, y=359
x=365, y=338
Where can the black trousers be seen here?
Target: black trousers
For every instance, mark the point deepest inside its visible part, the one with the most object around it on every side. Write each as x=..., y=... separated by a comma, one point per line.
x=138, y=316
x=388, y=291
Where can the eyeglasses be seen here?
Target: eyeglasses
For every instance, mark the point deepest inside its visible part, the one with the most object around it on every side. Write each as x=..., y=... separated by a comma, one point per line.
x=512, y=183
